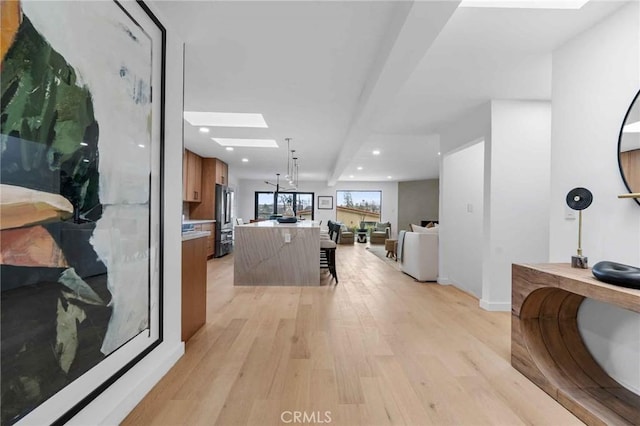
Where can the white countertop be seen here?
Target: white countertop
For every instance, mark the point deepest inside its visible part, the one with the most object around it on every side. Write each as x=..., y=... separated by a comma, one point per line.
x=192, y=235
x=195, y=222
x=275, y=224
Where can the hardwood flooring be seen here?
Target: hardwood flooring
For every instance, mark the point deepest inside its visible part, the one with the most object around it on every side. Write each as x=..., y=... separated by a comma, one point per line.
x=378, y=349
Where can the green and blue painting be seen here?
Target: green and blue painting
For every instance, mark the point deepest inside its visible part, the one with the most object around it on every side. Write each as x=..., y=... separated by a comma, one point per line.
x=74, y=194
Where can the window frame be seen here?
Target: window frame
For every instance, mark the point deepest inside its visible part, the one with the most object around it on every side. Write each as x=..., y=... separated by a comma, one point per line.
x=275, y=201
x=338, y=199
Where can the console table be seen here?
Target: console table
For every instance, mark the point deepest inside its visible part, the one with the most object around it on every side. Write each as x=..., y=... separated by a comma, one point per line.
x=547, y=348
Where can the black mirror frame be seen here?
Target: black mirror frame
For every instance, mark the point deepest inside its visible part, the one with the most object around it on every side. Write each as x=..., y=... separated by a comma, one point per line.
x=624, y=121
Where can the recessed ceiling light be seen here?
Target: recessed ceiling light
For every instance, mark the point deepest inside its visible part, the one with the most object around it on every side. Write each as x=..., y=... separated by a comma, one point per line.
x=225, y=119
x=632, y=128
x=359, y=167
x=376, y=152
x=229, y=148
x=141, y=145
x=351, y=176
x=525, y=4
x=438, y=153
x=388, y=177
x=245, y=160
x=204, y=130
x=248, y=143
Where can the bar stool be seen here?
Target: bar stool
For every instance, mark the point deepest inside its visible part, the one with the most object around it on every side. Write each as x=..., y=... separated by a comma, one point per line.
x=328, y=257
x=328, y=249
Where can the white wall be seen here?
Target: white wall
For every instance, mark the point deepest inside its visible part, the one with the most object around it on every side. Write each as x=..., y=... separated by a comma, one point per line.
x=519, y=195
x=595, y=76
x=112, y=406
x=473, y=126
x=516, y=138
x=245, y=194
x=461, y=250
x=418, y=200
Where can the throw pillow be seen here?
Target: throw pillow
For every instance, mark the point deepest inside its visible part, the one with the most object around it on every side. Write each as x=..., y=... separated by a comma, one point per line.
x=422, y=230
x=418, y=228
x=382, y=226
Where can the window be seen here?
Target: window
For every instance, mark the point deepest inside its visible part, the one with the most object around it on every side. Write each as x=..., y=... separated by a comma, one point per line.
x=353, y=207
x=264, y=205
x=301, y=203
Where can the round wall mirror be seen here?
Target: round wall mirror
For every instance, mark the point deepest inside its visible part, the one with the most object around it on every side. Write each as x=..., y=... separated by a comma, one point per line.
x=629, y=147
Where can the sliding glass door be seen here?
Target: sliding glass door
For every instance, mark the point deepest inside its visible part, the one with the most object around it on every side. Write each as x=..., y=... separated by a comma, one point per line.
x=302, y=204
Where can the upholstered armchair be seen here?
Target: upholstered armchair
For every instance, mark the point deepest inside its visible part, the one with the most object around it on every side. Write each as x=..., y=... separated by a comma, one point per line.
x=380, y=232
x=346, y=236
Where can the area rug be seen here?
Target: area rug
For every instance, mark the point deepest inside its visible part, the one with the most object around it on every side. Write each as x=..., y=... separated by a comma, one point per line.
x=381, y=253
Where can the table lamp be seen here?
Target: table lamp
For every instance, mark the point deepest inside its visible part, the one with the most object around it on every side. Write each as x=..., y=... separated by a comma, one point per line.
x=579, y=199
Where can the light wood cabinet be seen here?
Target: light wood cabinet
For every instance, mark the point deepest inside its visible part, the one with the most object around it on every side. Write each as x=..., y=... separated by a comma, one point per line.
x=194, y=286
x=630, y=164
x=206, y=209
x=211, y=239
x=214, y=171
x=192, y=177
x=222, y=172
x=185, y=169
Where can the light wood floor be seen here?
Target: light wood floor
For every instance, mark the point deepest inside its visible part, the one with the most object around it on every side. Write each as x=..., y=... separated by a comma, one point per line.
x=378, y=349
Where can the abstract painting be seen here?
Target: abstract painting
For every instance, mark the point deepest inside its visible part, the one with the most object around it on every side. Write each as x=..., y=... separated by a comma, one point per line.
x=80, y=200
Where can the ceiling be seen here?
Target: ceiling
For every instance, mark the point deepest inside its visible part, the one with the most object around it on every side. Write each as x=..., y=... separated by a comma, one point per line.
x=344, y=78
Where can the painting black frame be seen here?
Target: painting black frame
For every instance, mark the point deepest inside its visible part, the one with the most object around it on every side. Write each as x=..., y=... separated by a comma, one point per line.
x=325, y=198
x=63, y=409
x=69, y=414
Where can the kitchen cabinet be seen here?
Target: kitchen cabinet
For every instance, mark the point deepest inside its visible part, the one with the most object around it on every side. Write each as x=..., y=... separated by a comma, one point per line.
x=194, y=286
x=185, y=168
x=211, y=239
x=192, y=177
x=222, y=172
x=214, y=171
x=206, y=209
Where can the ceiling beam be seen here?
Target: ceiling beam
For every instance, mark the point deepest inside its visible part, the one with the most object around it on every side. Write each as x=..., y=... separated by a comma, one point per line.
x=413, y=30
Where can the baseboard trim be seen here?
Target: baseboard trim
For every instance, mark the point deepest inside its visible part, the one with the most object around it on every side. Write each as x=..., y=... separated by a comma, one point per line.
x=444, y=281
x=145, y=385
x=128, y=399
x=495, y=306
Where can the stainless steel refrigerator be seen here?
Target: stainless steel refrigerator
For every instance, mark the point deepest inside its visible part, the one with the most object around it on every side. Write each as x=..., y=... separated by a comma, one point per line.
x=224, y=221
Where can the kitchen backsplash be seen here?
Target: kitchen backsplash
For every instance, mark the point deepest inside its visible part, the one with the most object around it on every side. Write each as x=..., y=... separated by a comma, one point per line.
x=185, y=211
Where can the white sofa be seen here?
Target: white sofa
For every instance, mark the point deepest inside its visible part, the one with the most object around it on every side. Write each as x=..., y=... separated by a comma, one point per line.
x=420, y=254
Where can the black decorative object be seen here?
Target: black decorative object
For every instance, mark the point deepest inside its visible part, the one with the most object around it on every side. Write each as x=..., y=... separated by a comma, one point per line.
x=287, y=219
x=617, y=274
x=579, y=199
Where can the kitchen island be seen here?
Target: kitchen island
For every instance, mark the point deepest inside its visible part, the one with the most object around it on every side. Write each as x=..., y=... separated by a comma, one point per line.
x=272, y=253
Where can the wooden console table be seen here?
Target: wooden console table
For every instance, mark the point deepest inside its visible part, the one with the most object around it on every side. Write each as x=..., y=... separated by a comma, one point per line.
x=546, y=345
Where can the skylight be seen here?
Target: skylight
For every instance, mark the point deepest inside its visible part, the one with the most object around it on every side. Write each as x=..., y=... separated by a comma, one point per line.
x=248, y=143
x=225, y=119
x=632, y=128
x=525, y=4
